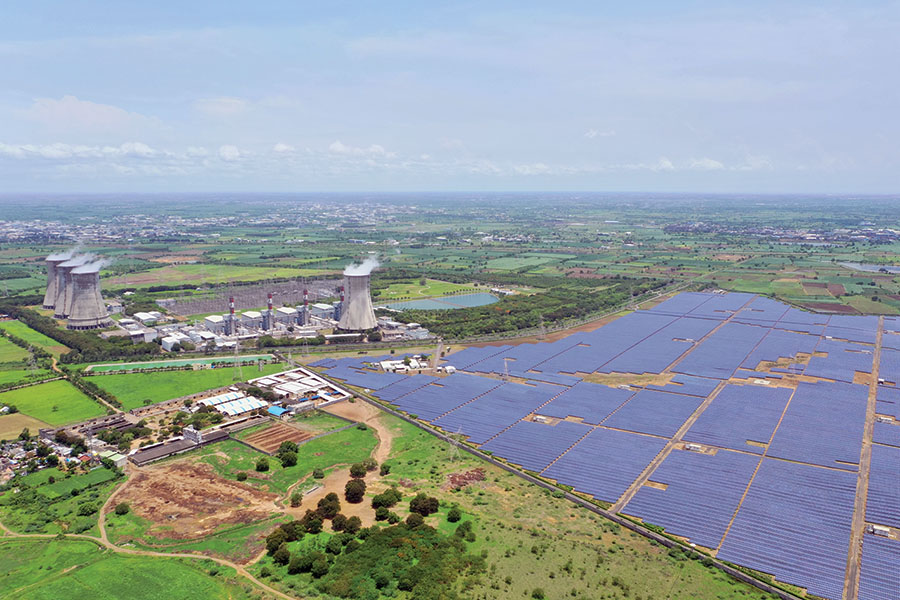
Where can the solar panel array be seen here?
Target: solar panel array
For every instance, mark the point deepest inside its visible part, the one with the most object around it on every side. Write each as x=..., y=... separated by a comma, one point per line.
x=823, y=425
x=722, y=352
x=795, y=524
x=496, y=410
x=740, y=413
x=887, y=434
x=433, y=400
x=653, y=412
x=656, y=352
x=688, y=385
x=405, y=386
x=889, y=368
x=888, y=401
x=883, y=502
x=605, y=463
x=535, y=445
x=590, y=401
x=879, y=577
x=780, y=344
x=842, y=362
x=705, y=484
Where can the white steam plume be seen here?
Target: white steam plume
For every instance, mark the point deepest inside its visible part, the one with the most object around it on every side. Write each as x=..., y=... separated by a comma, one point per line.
x=93, y=267
x=363, y=268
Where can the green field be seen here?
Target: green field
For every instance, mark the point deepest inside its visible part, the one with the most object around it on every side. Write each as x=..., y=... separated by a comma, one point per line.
x=23, y=331
x=10, y=353
x=514, y=263
x=160, y=364
x=56, y=402
x=412, y=289
x=63, y=486
x=23, y=375
x=138, y=389
x=52, y=569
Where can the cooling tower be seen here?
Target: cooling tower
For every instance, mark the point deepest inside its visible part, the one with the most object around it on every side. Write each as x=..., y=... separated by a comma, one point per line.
x=88, y=310
x=52, y=289
x=357, y=312
x=63, y=302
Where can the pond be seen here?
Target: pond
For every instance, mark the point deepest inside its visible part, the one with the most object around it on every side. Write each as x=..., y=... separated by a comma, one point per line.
x=445, y=303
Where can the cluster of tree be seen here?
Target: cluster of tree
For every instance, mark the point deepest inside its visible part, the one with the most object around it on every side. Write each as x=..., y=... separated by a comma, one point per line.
x=267, y=341
x=38, y=353
x=74, y=442
x=122, y=438
x=424, y=505
x=86, y=346
x=568, y=299
x=360, y=469
x=92, y=389
x=411, y=558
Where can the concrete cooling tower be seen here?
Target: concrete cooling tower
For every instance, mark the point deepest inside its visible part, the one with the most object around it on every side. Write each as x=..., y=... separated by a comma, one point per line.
x=88, y=310
x=52, y=289
x=357, y=312
x=63, y=303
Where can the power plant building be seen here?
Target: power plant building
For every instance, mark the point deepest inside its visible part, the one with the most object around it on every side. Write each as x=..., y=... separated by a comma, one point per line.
x=357, y=312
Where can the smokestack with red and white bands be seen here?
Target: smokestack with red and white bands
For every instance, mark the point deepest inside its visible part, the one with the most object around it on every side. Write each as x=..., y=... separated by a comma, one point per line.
x=231, y=306
x=270, y=301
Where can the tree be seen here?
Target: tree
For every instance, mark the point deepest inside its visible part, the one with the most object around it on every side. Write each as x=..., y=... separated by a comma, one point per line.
x=296, y=499
x=357, y=470
x=314, y=526
x=339, y=522
x=387, y=498
x=53, y=460
x=295, y=565
x=287, y=446
x=262, y=464
x=329, y=506
x=318, y=473
x=415, y=519
x=454, y=515
x=355, y=490
x=122, y=508
x=334, y=545
x=319, y=567
x=381, y=513
x=274, y=540
x=288, y=459
x=242, y=476
x=385, y=469
x=424, y=505
x=282, y=556
x=353, y=525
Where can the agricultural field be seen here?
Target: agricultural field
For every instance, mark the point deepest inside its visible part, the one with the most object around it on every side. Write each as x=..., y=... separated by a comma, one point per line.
x=21, y=330
x=49, y=569
x=55, y=402
x=185, y=362
x=412, y=290
x=134, y=390
x=10, y=353
x=12, y=425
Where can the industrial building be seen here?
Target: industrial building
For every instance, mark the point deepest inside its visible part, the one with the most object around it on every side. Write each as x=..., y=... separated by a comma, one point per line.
x=300, y=384
x=73, y=291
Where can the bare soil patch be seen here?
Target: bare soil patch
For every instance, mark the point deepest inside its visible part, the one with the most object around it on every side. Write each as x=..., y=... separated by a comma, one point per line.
x=269, y=439
x=827, y=307
x=457, y=481
x=188, y=500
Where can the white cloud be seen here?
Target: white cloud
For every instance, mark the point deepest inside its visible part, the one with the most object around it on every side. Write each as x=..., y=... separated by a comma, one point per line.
x=224, y=106
x=373, y=151
x=281, y=148
x=76, y=151
x=593, y=133
x=70, y=114
x=663, y=164
x=705, y=164
x=229, y=153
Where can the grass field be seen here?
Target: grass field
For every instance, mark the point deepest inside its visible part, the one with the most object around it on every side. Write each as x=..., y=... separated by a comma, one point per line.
x=134, y=389
x=22, y=375
x=112, y=367
x=33, y=511
x=12, y=425
x=432, y=287
x=23, y=331
x=55, y=402
x=64, y=486
x=51, y=569
x=10, y=353
x=513, y=263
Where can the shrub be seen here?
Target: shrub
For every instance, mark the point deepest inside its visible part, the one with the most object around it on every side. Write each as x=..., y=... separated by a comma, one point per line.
x=267, y=572
x=381, y=513
x=385, y=469
x=262, y=464
x=318, y=473
x=296, y=499
x=288, y=459
x=358, y=470
x=242, y=476
x=387, y=498
x=282, y=556
x=454, y=515
x=329, y=506
x=122, y=508
x=287, y=446
x=538, y=594
x=275, y=540
x=319, y=567
x=353, y=525
x=424, y=505
x=415, y=519
x=339, y=522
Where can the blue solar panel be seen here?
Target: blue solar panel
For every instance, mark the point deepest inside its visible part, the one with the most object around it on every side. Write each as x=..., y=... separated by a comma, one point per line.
x=722, y=306
x=780, y=344
x=488, y=415
x=865, y=336
x=535, y=445
x=469, y=356
x=702, y=494
x=590, y=401
x=722, y=352
x=843, y=361
x=682, y=304
x=823, y=425
x=862, y=323
x=879, y=577
x=795, y=524
x=761, y=311
x=738, y=415
x=433, y=400
x=658, y=351
x=404, y=386
x=888, y=402
x=653, y=412
x=883, y=501
x=364, y=379
x=889, y=369
x=688, y=385
x=887, y=434
x=890, y=340
x=605, y=463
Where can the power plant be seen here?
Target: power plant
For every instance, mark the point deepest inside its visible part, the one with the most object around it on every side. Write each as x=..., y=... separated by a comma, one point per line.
x=357, y=312
x=73, y=291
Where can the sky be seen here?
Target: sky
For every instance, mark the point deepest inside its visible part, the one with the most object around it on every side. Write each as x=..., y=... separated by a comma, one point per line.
x=745, y=97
